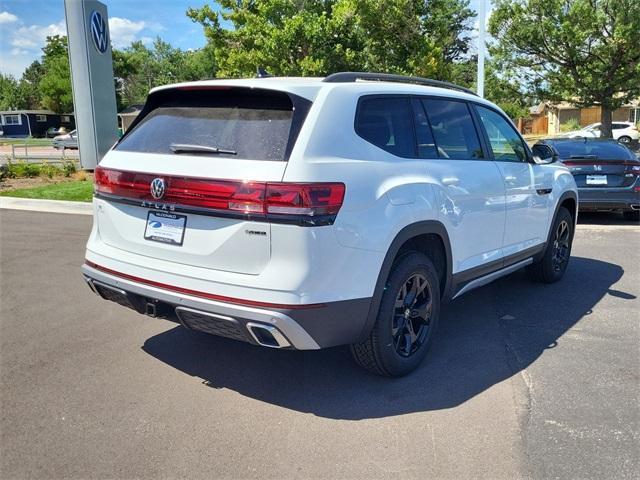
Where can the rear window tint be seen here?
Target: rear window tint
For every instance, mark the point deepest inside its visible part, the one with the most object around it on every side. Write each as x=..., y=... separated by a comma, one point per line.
x=600, y=150
x=453, y=129
x=387, y=123
x=255, y=126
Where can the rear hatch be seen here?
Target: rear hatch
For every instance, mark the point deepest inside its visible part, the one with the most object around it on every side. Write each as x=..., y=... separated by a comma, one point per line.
x=187, y=181
x=599, y=164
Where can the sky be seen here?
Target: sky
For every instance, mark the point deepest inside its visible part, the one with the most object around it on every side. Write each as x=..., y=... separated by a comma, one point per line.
x=25, y=25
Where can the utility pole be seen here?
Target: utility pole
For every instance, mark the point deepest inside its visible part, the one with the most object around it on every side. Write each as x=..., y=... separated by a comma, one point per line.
x=481, y=35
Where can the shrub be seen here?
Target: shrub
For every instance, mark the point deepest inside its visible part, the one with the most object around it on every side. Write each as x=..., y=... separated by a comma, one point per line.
x=23, y=170
x=570, y=125
x=68, y=169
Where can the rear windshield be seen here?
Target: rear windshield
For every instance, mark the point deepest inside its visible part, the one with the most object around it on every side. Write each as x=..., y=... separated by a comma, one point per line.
x=242, y=124
x=600, y=150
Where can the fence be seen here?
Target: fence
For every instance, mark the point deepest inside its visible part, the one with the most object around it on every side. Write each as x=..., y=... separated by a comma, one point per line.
x=38, y=154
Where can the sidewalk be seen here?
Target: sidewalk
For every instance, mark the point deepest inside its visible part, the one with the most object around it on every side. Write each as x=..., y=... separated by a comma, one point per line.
x=50, y=206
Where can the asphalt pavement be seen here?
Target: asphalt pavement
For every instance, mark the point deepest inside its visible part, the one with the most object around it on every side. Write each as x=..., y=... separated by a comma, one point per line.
x=524, y=381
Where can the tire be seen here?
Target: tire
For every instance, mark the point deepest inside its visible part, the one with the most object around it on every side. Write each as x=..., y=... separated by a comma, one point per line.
x=391, y=350
x=632, y=215
x=551, y=267
x=625, y=139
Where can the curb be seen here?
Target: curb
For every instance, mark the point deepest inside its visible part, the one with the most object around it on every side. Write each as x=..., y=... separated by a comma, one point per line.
x=49, y=206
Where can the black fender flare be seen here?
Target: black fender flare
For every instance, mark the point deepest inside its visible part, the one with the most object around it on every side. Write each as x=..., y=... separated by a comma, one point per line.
x=426, y=227
x=566, y=195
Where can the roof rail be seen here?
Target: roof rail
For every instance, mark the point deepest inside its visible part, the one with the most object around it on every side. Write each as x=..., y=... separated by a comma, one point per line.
x=390, y=77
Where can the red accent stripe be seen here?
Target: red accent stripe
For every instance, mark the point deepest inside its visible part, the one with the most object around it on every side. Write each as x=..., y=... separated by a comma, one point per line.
x=196, y=293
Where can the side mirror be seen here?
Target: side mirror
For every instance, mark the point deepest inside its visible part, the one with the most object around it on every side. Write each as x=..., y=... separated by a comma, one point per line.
x=543, y=154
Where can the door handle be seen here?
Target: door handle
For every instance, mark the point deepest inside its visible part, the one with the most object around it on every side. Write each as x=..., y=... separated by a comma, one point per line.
x=510, y=179
x=544, y=191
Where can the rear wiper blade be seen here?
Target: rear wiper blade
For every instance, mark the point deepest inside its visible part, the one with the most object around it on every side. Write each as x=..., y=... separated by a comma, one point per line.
x=186, y=148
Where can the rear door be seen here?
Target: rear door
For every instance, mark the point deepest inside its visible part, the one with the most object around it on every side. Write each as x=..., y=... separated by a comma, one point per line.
x=471, y=193
x=186, y=183
x=527, y=185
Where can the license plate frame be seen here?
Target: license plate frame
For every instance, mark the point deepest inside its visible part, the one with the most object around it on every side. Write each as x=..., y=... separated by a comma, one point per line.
x=167, y=228
x=597, y=180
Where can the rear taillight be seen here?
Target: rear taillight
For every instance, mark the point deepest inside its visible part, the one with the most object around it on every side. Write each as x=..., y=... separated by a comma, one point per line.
x=304, y=198
x=305, y=203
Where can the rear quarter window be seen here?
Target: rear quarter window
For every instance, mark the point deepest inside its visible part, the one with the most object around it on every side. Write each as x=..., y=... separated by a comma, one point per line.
x=387, y=123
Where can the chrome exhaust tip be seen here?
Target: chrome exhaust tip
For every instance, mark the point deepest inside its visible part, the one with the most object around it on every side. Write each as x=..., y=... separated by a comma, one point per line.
x=635, y=207
x=267, y=336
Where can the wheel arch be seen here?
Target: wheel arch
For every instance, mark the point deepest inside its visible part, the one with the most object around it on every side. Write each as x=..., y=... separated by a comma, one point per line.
x=420, y=236
x=568, y=200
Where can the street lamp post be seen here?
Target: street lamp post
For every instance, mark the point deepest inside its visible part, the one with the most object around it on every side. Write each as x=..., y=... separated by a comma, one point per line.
x=481, y=35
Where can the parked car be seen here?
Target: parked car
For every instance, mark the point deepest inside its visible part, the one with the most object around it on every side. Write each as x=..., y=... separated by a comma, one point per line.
x=307, y=213
x=55, y=131
x=606, y=173
x=624, y=132
x=67, y=140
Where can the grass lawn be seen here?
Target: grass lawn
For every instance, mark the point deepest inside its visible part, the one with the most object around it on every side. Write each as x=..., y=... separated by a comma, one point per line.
x=35, y=142
x=78, y=191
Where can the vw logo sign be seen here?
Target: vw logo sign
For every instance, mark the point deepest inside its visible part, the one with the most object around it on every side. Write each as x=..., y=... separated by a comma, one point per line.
x=99, y=32
x=157, y=188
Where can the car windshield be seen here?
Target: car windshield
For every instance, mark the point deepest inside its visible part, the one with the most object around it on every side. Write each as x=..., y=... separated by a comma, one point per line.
x=600, y=150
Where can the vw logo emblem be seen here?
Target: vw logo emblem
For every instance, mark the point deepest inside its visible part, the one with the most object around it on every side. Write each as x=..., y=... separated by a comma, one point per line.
x=99, y=32
x=157, y=188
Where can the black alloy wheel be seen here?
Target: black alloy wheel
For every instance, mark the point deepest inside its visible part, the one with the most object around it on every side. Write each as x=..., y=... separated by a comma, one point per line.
x=412, y=315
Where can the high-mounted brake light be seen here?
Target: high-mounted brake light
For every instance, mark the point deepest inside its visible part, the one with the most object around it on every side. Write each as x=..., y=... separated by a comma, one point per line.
x=305, y=203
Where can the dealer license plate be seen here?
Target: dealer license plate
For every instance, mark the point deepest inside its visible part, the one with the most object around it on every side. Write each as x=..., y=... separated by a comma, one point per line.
x=165, y=228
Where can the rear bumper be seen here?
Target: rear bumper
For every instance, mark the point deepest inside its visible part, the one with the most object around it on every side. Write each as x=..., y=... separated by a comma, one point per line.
x=318, y=326
x=621, y=199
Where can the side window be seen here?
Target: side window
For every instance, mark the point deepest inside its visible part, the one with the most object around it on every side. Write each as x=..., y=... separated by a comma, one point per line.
x=426, y=144
x=386, y=122
x=504, y=140
x=453, y=129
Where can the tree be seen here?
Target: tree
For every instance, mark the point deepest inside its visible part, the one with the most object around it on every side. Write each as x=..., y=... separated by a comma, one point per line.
x=55, y=83
x=138, y=68
x=317, y=37
x=10, y=95
x=29, y=85
x=583, y=51
x=498, y=88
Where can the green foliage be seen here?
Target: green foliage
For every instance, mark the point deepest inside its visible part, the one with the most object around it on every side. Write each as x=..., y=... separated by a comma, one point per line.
x=317, y=37
x=30, y=85
x=32, y=170
x=69, y=168
x=138, y=68
x=55, y=82
x=11, y=95
x=79, y=191
x=570, y=125
x=585, y=51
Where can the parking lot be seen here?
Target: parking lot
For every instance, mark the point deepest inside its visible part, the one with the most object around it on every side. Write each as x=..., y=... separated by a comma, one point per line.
x=524, y=381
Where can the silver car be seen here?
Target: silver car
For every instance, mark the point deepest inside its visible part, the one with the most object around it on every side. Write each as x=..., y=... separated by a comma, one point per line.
x=67, y=140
